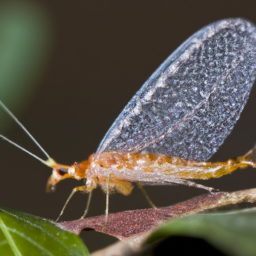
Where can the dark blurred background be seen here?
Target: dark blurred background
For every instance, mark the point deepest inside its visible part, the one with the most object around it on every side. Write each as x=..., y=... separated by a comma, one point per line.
x=78, y=66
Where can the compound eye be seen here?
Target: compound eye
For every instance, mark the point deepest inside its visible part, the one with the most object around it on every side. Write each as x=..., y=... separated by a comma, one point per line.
x=62, y=171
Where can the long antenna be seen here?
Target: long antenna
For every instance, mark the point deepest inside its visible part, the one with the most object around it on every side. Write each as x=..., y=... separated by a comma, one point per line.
x=25, y=130
x=23, y=149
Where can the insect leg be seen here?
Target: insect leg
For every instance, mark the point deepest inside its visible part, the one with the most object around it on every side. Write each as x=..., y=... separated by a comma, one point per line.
x=88, y=204
x=107, y=204
x=81, y=188
x=191, y=184
x=145, y=194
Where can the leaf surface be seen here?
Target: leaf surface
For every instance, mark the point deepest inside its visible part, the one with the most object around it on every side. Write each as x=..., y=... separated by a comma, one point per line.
x=22, y=234
x=134, y=227
x=232, y=232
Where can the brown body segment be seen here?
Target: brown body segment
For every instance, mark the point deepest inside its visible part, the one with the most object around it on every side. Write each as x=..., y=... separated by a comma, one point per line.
x=151, y=169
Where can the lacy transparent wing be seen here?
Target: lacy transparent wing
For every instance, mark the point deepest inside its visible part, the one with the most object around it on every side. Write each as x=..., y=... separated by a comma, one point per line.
x=191, y=103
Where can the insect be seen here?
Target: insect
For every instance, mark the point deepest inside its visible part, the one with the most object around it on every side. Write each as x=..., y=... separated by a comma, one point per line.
x=177, y=120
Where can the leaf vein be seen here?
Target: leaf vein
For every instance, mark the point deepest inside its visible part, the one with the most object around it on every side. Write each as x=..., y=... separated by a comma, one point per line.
x=9, y=239
x=31, y=241
x=40, y=228
x=36, y=226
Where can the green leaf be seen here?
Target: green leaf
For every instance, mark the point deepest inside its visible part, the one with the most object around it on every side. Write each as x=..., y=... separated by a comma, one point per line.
x=24, y=234
x=231, y=232
x=25, y=39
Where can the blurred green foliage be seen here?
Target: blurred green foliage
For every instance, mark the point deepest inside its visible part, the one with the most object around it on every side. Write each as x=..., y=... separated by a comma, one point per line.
x=24, y=234
x=233, y=233
x=25, y=38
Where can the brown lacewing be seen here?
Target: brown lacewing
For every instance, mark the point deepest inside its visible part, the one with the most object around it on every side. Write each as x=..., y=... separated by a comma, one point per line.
x=177, y=120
